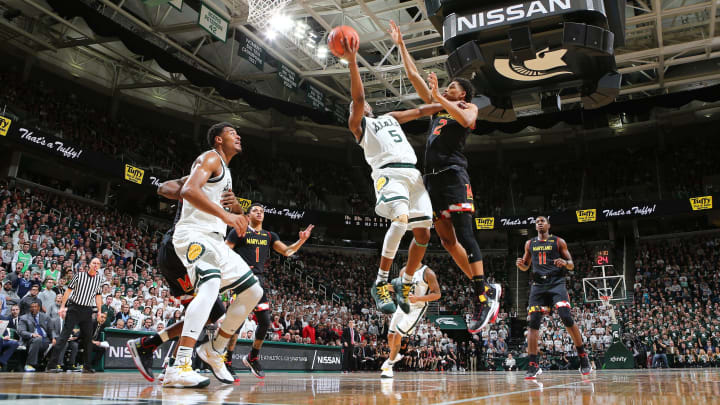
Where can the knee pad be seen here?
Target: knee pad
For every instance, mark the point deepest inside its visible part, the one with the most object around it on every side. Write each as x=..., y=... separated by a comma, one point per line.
x=263, y=318
x=217, y=311
x=535, y=320
x=393, y=236
x=565, y=316
x=463, y=224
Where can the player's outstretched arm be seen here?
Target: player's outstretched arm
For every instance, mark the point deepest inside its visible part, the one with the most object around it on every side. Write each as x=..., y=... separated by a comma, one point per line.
x=464, y=113
x=286, y=250
x=412, y=72
x=433, y=294
x=357, y=108
x=524, y=262
x=566, y=260
x=205, y=165
x=170, y=189
x=415, y=113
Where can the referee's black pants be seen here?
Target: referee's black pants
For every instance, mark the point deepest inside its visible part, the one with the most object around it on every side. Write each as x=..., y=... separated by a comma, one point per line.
x=76, y=315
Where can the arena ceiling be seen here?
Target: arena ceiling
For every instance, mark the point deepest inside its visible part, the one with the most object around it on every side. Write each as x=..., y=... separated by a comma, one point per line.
x=671, y=45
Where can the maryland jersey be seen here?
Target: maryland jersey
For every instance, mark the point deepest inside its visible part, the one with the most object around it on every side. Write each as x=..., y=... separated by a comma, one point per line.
x=254, y=247
x=384, y=142
x=445, y=144
x=200, y=221
x=544, y=253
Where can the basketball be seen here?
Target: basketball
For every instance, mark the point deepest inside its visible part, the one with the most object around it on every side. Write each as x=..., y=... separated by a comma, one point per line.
x=335, y=39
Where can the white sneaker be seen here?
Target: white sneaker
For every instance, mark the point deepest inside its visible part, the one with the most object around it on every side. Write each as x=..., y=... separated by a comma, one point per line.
x=216, y=362
x=387, y=369
x=161, y=376
x=29, y=369
x=181, y=375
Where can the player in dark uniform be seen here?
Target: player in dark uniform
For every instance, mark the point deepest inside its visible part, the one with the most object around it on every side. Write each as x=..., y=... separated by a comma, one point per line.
x=448, y=182
x=254, y=248
x=549, y=256
x=175, y=273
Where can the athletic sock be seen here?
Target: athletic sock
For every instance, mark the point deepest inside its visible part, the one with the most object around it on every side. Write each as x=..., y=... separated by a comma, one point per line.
x=407, y=278
x=532, y=358
x=253, y=353
x=184, y=355
x=219, y=341
x=580, y=350
x=171, y=361
x=382, y=276
x=479, y=284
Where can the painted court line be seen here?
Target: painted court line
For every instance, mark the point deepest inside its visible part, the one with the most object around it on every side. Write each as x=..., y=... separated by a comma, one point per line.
x=504, y=394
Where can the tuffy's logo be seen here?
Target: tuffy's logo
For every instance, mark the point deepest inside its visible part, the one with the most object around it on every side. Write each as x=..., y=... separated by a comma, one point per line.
x=134, y=174
x=586, y=215
x=485, y=223
x=4, y=125
x=701, y=203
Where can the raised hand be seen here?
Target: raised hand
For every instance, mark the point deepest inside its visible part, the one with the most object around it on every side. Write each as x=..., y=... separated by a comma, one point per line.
x=351, y=46
x=304, y=235
x=433, y=84
x=395, y=33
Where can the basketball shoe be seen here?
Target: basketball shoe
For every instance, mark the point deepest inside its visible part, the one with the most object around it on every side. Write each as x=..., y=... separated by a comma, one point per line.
x=216, y=361
x=254, y=366
x=533, y=371
x=402, y=290
x=486, y=310
x=142, y=357
x=181, y=375
x=585, y=368
x=381, y=293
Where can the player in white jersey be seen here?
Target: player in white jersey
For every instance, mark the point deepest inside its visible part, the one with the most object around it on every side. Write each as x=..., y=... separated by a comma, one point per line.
x=424, y=288
x=399, y=189
x=212, y=266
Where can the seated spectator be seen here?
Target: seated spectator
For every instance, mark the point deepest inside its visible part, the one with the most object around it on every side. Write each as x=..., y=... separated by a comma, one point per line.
x=37, y=334
x=510, y=363
x=7, y=348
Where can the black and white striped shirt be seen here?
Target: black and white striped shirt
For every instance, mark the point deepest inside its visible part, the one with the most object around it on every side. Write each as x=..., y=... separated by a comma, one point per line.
x=85, y=288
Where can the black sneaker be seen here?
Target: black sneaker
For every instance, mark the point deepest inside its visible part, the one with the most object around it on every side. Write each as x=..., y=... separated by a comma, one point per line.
x=254, y=366
x=402, y=290
x=56, y=369
x=228, y=364
x=533, y=371
x=381, y=293
x=486, y=309
x=585, y=368
x=142, y=357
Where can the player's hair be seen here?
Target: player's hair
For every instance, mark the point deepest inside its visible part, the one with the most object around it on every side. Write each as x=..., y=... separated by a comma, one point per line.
x=467, y=86
x=216, y=130
x=255, y=204
x=543, y=216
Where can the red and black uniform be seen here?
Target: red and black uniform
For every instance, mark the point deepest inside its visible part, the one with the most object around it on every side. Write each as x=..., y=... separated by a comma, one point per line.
x=548, y=288
x=255, y=249
x=445, y=172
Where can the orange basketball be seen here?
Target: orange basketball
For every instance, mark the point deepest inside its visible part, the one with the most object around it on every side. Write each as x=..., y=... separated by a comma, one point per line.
x=336, y=35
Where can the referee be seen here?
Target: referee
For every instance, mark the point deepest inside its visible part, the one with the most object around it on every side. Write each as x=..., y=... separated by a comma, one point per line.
x=77, y=309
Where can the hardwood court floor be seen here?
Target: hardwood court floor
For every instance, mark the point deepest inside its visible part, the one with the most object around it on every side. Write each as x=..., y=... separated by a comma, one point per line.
x=696, y=387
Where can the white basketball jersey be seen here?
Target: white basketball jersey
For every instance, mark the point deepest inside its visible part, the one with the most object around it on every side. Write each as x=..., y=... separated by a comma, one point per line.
x=384, y=142
x=420, y=287
x=195, y=219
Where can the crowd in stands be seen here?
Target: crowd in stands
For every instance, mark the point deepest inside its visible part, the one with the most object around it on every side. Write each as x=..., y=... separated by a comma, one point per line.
x=45, y=240
x=675, y=317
